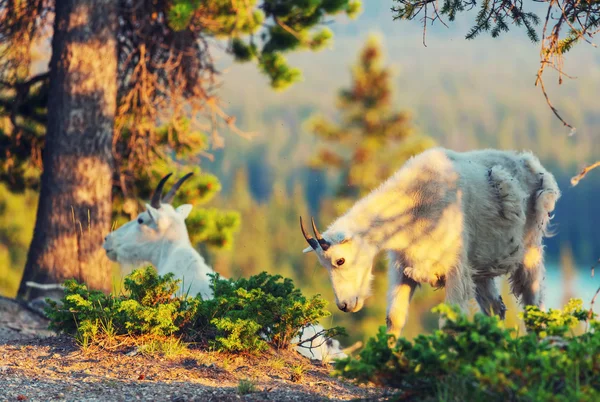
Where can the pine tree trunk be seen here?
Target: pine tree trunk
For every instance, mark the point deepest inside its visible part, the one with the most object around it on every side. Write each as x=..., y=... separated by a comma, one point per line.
x=74, y=211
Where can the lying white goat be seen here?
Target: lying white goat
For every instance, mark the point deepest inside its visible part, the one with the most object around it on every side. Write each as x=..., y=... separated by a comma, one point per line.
x=159, y=236
x=450, y=219
x=317, y=347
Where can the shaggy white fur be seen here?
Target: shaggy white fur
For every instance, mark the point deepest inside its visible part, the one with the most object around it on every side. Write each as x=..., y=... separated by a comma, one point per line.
x=159, y=236
x=451, y=219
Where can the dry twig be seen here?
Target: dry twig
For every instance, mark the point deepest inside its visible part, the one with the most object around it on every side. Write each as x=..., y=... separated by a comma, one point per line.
x=591, y=310
x=575, y=179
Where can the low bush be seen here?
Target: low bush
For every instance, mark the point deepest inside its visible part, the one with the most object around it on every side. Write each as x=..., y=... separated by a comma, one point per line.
x=245, y=315
x=253, y=313
x=148, y=309
x=479, y=359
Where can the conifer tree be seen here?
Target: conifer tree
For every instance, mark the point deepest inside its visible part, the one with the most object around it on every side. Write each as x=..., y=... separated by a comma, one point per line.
x=367, y=143
x=150, y=62
x=370, y=139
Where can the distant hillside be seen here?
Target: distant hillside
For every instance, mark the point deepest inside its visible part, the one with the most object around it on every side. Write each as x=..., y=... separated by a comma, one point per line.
x=481, y=90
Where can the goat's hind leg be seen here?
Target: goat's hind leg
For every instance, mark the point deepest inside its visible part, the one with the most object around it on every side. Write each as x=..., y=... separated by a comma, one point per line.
x=527, y=280
x=488, y=297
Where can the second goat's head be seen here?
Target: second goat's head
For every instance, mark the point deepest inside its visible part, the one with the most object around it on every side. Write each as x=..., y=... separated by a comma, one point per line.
x=349, y=261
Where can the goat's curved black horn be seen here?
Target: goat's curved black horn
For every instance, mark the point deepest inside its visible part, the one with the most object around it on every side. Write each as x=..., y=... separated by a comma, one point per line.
x=171, y=194
x=313, y=243
x=322, y=242
x=155, y=201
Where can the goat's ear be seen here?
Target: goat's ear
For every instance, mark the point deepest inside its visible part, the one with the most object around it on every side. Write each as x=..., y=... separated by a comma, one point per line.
x=307, y=250
x=184, y=210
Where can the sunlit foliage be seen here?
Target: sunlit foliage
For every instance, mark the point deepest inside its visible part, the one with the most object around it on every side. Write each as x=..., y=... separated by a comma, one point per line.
x=480, y=359
x=246, y=315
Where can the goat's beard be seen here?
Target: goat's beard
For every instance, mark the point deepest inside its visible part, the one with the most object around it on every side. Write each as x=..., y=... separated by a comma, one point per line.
x=127, y=264
x=112, y=255
x=359, y=304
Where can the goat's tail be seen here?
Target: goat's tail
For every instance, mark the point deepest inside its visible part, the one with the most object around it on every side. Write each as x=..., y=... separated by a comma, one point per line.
x=546, y=194
x=546, y=198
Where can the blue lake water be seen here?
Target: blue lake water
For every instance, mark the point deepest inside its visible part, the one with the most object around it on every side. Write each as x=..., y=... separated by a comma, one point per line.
x=583, y=286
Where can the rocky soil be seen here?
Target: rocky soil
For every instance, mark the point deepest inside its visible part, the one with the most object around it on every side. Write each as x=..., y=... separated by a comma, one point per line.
x=37, y=365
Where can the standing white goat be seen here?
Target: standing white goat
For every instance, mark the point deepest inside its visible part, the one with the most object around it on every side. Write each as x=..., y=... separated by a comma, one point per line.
x=159, y=236
x=451, y=219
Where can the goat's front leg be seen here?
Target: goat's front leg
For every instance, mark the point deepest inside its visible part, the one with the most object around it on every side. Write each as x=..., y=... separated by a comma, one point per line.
x=401, y=290
x=488, y=297
x=459, y=288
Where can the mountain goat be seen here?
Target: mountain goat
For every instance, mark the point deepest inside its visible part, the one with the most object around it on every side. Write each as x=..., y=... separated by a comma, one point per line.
x=159, y=236
x=451, y=219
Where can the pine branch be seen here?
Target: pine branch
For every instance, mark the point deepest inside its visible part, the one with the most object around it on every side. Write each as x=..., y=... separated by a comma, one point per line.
x=582, y=17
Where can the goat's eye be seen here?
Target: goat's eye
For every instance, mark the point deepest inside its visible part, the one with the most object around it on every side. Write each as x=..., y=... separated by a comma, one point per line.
x=140, y=221
x=340, y=262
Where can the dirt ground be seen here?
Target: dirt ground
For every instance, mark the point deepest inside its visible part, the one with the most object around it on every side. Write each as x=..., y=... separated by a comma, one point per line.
x=37, y=365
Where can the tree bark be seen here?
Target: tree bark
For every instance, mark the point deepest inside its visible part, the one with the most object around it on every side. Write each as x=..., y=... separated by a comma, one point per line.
x=74, y=211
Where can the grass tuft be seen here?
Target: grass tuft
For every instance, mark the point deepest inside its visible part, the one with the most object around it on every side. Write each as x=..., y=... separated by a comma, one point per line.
x=246, y=386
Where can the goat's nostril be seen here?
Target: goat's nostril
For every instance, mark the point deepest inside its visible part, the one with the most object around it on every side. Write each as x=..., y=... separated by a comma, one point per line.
x=343, y=306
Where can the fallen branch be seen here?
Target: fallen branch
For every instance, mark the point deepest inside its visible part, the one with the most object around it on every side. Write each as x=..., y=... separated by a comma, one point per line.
x=45, y=286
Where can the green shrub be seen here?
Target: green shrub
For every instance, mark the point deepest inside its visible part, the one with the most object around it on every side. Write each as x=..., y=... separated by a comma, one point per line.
x=479, y=359
x=149, y=308
x=238, y=336
x=249, y=314
x=246, y=387
x=246, y=315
